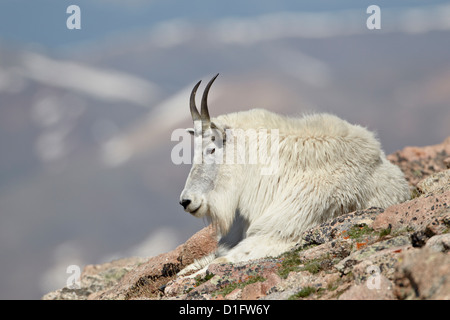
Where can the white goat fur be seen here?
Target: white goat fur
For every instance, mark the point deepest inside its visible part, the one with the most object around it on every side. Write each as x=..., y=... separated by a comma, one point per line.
x=327, y=167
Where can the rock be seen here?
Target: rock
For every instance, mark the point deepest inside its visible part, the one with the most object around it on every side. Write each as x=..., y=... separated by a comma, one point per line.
x=200, y=244
x=234, y=295
x=259, y=290
x=96, y=278
x=430, y=211
x=439, y=243
x=419, y=239
x=339, y=227
x=241, y=271
x=338, y=248
x=291, y=285
x=253, y=291
x=272, y=280
x=115, y=281
x=382, y=255
x=220, y=276
x=438, y=182
x=178, y=286
x=419, y=162
x=147, y=278
x=381, y=289
x=447, y=162
x=423, y=274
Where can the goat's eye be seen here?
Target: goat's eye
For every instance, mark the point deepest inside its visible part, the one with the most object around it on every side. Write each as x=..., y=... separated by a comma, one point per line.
x=211, y=151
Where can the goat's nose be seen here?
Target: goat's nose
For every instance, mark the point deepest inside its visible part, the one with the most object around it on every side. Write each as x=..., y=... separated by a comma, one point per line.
x=185, y=202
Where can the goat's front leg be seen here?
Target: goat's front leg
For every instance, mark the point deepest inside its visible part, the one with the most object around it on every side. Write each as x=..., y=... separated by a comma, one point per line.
x=257, y=247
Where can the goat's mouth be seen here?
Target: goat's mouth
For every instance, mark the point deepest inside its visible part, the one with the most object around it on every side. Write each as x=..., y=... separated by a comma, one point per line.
x=193, y=212
x=198, y=211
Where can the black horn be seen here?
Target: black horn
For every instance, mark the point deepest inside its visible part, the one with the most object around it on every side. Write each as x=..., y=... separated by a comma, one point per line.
x=206, y=122
x=194, y=112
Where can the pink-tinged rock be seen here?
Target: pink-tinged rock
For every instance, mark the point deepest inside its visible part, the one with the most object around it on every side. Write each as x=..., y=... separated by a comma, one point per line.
x=436, y=183
x=208, y=287
x=236, y=294
x=253, y=291
x=447, y=162
x=378, y=289
x=439, y=243
x=243, y=271
x=335, y=248
x=197, y=246
x=95, y=269
x=258, y=290
x=423, y=274
x=272, y=280
x=218, y=297
x=419, y=162
x=178, y=286
x=428, y=211
x=146, y=279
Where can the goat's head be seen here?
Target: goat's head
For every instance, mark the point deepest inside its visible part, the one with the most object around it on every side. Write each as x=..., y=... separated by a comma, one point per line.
x=208, y=156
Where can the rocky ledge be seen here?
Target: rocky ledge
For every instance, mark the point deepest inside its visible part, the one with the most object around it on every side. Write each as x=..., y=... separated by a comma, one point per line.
x=400, y=252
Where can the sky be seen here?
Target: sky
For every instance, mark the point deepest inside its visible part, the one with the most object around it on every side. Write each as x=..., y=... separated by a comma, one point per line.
x=43, y=22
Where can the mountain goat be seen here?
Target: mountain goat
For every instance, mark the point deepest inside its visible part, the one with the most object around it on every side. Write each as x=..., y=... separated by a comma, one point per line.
x=322, y=167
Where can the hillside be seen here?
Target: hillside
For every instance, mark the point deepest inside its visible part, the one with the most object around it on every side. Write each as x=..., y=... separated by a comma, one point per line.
x=400, y=252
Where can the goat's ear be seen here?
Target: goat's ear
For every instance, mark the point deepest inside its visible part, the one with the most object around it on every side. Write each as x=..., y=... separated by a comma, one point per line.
x=190, y=130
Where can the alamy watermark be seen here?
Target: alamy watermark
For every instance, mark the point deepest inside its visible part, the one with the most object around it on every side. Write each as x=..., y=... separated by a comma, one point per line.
x=373, y=22
x=241, y=147
x=374, y=279
x=73, y=22
x=74, y=280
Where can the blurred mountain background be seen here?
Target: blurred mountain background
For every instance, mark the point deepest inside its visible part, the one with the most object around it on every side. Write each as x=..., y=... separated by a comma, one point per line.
x=86, y=115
